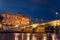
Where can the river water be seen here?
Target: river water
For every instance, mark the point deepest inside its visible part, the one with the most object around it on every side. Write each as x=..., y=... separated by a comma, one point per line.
x=29, y=36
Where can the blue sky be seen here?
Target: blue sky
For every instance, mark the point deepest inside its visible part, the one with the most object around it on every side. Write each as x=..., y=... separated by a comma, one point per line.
x=34, y=8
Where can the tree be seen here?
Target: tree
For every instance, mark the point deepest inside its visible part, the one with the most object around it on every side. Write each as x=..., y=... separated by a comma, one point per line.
x=1, y=18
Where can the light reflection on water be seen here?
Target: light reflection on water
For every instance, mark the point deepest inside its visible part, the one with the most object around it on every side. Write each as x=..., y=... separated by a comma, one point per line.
x=54, y=37
x=16, y=36
x=44, y=38
x=29, y=36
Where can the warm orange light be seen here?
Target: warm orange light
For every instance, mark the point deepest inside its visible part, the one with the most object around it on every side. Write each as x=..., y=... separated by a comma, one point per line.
x=15, y=19
x=34, y=25
x=55, y=23
x=0, y=25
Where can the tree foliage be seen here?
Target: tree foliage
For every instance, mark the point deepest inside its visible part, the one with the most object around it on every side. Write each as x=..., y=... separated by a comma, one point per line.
x=1, y=18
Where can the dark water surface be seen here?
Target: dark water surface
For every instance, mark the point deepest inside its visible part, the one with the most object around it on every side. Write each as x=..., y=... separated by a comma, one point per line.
x=29, y=36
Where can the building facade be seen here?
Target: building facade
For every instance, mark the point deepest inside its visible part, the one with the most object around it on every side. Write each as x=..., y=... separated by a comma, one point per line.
x=15, y=19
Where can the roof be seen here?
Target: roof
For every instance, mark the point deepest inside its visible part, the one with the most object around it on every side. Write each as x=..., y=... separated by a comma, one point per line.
x=17, y=14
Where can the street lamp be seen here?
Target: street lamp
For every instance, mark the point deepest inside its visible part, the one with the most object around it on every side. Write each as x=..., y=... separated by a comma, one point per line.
x=57, y=14
x=42, y=20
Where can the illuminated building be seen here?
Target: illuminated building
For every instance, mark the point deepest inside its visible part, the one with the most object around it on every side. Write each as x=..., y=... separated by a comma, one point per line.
x=15, y=19
x=54, y=23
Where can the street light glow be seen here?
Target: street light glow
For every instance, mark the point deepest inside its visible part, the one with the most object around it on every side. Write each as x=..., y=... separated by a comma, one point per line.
x=16, y=26
x=57, y=13
x=34, y=25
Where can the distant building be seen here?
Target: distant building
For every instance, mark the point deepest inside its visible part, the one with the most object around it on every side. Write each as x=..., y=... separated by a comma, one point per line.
x=54, y=22
x=15, y=19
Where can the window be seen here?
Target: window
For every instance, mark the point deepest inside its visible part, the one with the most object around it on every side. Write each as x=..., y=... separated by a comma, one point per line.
x=8, y=16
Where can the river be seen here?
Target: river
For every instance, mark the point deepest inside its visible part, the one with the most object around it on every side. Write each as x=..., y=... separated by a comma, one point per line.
x=29, y=36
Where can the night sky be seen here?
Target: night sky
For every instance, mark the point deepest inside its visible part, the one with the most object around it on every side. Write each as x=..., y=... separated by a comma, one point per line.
x=42, y=9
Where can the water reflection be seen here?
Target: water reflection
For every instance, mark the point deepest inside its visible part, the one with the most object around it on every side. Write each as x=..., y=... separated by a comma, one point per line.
x=34, y=37
x=17, y=36
x=29, y=36
x=54, y=37
x=45, y=37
